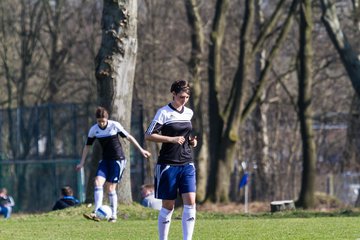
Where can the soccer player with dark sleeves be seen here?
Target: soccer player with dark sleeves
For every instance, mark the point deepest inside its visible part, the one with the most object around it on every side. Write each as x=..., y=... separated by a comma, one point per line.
x=175, y=170
x=113, y=162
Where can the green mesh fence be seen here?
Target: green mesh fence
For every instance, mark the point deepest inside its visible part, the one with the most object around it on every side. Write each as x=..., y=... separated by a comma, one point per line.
x=35, y=185
x=40, y=147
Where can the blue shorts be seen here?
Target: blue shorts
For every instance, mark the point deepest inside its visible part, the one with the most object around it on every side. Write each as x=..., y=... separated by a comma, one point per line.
x=169, y=179
x=112, y=171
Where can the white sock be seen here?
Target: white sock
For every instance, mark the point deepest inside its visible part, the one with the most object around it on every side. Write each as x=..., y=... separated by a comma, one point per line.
x=164, y=221
x=113, y=200
x=188, y=221
x=98, y=196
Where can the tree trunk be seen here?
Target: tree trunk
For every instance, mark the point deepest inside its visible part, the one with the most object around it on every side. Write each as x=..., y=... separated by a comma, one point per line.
x=233, y=110
x=305, y=72
x=223, y=141
x=214, y=72
x=197, y=43
x=260, y=123
x=115, y=70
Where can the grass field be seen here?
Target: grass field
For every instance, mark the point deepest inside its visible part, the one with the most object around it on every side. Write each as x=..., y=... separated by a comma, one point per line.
x=136, y=222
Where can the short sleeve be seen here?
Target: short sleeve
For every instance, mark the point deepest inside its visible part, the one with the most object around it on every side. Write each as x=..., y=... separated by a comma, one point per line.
x=120, y=130
x=156, y=124
x=91, y=136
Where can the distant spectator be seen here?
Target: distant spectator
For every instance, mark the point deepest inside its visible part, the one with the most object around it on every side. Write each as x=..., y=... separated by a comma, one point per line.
x=6, y=203
x=148, y=197
x=67, y=199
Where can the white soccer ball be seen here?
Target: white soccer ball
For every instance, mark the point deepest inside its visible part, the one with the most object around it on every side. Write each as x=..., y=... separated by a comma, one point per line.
x=103, y=212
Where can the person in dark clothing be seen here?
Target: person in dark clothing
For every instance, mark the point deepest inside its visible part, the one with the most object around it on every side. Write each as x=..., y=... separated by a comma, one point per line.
x=67, y=199
x=6, y=203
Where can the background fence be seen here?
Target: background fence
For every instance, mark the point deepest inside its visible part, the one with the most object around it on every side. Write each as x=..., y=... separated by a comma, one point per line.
x=40, y=147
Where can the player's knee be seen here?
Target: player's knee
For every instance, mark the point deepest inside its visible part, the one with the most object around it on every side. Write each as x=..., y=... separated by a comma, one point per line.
x=169, y=205
x=190, y=208
x=189, y=212
x=112, y=187
x=166, y=213
x=99, y=181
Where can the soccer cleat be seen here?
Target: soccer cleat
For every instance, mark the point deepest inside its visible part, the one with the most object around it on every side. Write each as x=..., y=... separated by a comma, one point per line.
x=112, y=219
x=91, y=216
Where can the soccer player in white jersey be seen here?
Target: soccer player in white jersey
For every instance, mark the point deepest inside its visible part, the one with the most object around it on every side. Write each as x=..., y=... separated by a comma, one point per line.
x=113, y=162
x=175, y=170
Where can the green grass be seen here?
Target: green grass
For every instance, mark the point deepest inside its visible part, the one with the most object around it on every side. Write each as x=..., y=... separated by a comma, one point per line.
x=136, y=222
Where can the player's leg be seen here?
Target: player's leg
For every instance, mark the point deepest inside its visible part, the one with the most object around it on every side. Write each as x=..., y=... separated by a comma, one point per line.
x=113, y=200
x=187, y=188
x=9, y=210
x=3, y=211
x=116, y=170
x=99, y=184
x=165, y=189
x=188, y=215
x=164, y=219
x=98, y=190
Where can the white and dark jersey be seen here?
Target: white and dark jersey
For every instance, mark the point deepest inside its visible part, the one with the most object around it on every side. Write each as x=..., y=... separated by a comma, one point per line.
x=108, y=139
x=170, y=122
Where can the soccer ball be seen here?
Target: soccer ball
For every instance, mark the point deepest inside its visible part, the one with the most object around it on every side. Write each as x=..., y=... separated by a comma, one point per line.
x=103, y=212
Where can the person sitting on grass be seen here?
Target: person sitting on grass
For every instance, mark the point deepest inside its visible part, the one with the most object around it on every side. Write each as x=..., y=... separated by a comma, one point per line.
x=148, y=197
x=6, y=203
x=67, y=199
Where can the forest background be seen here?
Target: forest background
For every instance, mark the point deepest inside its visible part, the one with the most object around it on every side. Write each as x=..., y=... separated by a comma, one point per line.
x=275, y=88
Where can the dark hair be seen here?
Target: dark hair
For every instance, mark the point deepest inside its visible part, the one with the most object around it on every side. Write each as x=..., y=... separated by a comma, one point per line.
x=180, y=86
x=101, y=112
x=67, y=191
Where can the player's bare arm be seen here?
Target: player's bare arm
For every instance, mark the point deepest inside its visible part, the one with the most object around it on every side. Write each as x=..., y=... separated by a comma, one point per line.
x=165, y=139
x=83, y=157
x=144, y=152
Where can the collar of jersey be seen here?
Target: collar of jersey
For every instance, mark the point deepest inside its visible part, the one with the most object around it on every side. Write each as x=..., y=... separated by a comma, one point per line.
x=181, y=111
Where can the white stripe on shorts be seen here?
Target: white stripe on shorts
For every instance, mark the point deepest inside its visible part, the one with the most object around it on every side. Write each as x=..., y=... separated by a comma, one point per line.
x=158, y=176
x=122, y=165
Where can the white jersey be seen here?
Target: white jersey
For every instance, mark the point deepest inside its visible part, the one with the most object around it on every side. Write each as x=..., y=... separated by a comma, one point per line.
x=170, y=122
x=109, y=140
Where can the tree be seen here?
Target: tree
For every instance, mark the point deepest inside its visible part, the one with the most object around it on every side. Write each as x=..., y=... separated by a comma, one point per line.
x=225, y=124
x=348, y=56
x=214, y=72
x=305, y=75
x=59, y=45
x=195, y=68
x=115, y=69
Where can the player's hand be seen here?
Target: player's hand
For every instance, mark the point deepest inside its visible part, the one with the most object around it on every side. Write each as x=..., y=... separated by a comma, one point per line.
x=193, y=141
x=146, y=154
x=179, y=140
x=78, y=167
